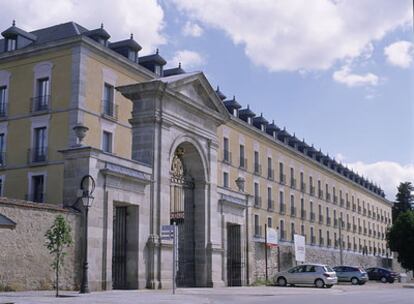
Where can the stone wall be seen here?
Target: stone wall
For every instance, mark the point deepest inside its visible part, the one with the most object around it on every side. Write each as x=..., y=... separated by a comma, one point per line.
x=314, y=254
x=24, y=259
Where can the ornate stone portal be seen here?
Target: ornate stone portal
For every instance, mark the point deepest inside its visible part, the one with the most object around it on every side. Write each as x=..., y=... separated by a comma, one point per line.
x=182, y=214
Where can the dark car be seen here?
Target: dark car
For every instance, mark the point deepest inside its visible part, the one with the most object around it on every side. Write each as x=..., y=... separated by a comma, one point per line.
x=382, y=274
x=355, y=275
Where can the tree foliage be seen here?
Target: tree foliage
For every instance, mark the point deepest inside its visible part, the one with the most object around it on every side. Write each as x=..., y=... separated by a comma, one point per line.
x=404, y=199
x=400, y=239
x=58, y=237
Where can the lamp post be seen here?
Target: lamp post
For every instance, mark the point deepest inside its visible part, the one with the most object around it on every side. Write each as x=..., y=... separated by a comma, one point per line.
x=87, y=187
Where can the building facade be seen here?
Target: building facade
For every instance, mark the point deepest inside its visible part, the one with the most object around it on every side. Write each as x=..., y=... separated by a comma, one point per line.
x=165, y=147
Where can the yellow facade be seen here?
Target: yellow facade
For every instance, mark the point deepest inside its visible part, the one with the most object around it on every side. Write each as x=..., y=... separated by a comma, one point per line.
x=358, y=227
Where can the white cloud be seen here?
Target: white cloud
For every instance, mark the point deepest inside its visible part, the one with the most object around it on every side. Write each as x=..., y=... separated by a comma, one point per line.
x=143, y=18
x=400, y=53
x=192, y=29
x=387, y=174
x=345, y=76
x=188, y=59
x=300, y=34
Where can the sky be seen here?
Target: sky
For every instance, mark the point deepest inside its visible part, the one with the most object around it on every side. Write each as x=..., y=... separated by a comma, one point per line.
x=338, y=73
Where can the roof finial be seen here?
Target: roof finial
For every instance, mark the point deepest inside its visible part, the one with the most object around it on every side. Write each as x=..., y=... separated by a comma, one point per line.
x=234, y=97
x=132, y=36
x=157, y=51
x=14, y=23
x=179, y=65
x=101, y=25
x=261, y=114
x=248, y=106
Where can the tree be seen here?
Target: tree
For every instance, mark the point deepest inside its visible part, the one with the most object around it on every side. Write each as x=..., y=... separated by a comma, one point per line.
x=404, y=199
x=400, y=239
x=58, y=237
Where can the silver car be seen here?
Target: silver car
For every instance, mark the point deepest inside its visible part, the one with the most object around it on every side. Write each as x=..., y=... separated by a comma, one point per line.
x=309, y=274
x=355, y=275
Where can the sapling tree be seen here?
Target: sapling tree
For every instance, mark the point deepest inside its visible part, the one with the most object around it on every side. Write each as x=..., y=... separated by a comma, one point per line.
x=58, y=237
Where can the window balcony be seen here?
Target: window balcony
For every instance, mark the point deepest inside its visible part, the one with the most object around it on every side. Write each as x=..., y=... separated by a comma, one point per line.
x=292, y=211
x=282, y=235
x=40, y=104
x=336, y=244
x=359, y=209
x=312, y=190
x=355, y=247
x=293, y=183
x=282, y=208
x=320, y=194
x=360, y=230
x=303, y=187
x=353, y=207
x=3, y=110
x=227, y=156
x=328, y=242
x=37, y=155
x=328, y=197
x=282, y=179
x=365, y=231
x=354, y=228
x=109, y=110
x=37, y=197
x=270, y=174
x=348, y=205
x=303, y=214
x=257, y=231
x=364, y=212
x=342, y=203
x=2, y=159
x=243, y=163
x=270, y=205
x=257, y=169
x=312, y=216
x=335, y=223
x=328, y=221
x=321, y=241
x=320, y=219
x=335, y=199
x=349, y=246
x=348, y=226
x=313, y=240
x=257, y=201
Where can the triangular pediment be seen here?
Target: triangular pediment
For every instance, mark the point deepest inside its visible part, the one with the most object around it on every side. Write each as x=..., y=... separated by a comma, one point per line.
x=198, y=90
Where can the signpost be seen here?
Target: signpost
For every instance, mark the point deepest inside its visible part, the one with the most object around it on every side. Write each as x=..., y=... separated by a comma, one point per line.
x=168, y=233
x=300, y=249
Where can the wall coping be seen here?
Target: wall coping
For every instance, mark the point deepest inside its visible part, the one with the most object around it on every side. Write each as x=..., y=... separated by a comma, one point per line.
x=5, y=201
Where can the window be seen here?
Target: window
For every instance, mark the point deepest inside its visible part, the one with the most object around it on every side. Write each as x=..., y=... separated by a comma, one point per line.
x=257, y=230
x=256, y=162
x=242, y=159
x=3, y=101
x=225, y=179
x=41, y=101
x=269, y=198
x=1, y=185
x=2, y=150
x=257, y=199
x=158, y=70
x=107, y=142
x=108, y=101
x=39, y=152
x=226, y=150
x=281, y=202
x=282, y=176
x=292, y=178
x=11, y=44
x=282, y=230
x=269, y=222
x=292, y=231
x=269, y=168
x=37, y=190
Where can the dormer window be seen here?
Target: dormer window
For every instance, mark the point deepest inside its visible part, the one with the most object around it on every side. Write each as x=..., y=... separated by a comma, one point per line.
x=11, y=44
x=158, y=70
x=236, y=112
x=132, y=55
x=262, y=127
x=249, y=120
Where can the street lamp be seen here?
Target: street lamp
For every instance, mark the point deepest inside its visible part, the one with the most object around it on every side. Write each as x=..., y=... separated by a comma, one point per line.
x=87, y=187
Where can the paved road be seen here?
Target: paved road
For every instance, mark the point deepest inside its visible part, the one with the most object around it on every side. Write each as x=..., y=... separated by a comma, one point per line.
x=372, y=293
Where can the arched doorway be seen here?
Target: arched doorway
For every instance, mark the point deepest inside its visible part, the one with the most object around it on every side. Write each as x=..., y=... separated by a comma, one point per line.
x=187, y=193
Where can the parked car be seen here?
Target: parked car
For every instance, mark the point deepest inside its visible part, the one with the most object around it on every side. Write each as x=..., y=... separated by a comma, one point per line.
x=382, y=274
x=355, y=275
x=309, y=274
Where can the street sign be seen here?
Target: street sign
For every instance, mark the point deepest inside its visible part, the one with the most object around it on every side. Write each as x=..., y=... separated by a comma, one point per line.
x=300, y=249
x=167, y=232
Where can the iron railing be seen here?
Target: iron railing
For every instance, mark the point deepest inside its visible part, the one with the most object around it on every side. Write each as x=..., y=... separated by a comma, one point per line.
x=40, y=103
x=109, y=109
x=37, y=155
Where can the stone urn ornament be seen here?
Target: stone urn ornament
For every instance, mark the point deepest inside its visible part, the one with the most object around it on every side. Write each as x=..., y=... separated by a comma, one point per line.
x=240, y=183
x=80, y=132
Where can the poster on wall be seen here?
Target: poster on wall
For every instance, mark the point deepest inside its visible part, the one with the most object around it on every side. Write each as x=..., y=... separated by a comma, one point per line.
x=272, y=238
x=300, y=249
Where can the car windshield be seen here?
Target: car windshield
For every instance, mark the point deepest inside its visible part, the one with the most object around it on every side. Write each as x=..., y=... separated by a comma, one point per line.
x=328, y=269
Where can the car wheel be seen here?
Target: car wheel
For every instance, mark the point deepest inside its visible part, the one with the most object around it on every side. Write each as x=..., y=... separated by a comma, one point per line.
x=319, y=283
x=329, y=286
x=354, y=281
x=281, y=281
x=383, y=280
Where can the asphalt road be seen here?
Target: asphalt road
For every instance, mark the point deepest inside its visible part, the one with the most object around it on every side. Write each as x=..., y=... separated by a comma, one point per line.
x=371, y=293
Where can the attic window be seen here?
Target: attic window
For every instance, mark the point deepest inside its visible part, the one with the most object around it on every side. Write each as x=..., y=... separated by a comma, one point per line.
x=235, y=112
x=262, y=127
x=132, y=55
x=11, y=44
x=158, y=70
x=249, y=120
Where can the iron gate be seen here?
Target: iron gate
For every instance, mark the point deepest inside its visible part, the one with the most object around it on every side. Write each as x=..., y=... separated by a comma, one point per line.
x=234, y=262
x=119, y=249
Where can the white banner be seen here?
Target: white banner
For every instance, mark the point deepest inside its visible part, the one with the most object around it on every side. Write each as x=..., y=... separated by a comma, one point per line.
x=300, y=250
x=272, y=238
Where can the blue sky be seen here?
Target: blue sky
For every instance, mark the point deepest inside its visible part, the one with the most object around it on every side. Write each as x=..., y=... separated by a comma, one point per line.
x=338, y=73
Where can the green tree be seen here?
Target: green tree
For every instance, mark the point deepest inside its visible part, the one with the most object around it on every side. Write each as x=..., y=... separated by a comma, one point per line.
x=400, y=239
x=404, y=199
x=58, y=237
